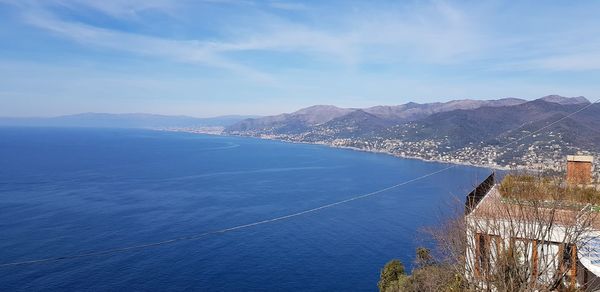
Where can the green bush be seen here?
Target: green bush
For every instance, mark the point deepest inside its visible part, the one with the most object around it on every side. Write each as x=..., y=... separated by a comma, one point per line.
x=393, y=277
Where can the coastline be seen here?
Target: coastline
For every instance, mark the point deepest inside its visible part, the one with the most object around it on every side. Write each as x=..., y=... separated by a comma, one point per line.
x=458, y=163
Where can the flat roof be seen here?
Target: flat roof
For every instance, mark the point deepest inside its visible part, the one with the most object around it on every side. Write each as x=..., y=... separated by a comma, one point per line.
x=492, y=206
x=580, y=158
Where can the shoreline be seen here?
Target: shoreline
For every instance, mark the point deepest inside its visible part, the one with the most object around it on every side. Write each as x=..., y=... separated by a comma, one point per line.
x=382, y=152
x=496, y=167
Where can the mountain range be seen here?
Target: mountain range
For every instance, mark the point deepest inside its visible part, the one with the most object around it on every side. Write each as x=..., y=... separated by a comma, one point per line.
x=498, y=132
x=440, y=130
x=104, y=120
x=320, y=114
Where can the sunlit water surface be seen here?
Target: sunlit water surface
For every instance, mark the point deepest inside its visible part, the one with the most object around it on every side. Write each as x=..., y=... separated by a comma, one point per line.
x=72, y=191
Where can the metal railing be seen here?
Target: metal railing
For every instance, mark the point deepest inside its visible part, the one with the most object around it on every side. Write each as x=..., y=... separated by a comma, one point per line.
x=474, y=197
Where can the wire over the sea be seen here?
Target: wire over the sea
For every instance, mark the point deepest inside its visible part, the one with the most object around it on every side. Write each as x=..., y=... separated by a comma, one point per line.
x=271, y=220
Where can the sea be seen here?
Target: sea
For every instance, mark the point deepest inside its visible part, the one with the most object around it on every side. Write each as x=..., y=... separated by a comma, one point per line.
x=66, y=192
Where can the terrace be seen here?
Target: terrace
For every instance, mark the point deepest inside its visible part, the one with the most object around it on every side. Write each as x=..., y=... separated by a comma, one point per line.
x=548, y=191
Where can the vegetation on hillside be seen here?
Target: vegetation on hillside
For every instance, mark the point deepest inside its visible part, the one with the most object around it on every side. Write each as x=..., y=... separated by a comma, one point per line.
x=547, y=189
x=428, y=275
x=529, y=207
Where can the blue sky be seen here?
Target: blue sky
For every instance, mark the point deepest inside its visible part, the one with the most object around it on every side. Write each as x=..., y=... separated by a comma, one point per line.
x=211, y=57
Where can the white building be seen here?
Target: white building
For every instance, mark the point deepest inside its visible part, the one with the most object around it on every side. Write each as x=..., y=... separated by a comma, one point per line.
x=540, y=243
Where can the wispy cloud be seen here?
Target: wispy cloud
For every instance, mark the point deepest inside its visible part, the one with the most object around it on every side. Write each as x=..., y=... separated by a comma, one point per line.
x=435, y=32
x=204, y=53
x=572, y=62
x=292, y=54
x=122, y=9
x=286, y=5
x=430, y=32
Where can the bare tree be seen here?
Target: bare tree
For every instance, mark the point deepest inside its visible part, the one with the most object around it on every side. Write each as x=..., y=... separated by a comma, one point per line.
x=523, y=236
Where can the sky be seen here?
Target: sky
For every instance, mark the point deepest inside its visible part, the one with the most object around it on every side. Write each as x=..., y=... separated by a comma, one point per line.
x=218, y=57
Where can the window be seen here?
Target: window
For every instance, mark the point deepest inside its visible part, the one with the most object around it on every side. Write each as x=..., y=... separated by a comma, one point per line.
x=569, y=263
x=523, y=249
x=487, y=249
x=548, y=262
x=481, y=255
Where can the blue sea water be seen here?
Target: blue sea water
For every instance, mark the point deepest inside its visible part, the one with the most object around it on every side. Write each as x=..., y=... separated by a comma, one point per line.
x=72, y=191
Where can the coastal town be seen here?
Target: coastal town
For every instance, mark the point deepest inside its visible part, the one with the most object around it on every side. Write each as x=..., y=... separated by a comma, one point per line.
x=537, y=152
x=297, y=145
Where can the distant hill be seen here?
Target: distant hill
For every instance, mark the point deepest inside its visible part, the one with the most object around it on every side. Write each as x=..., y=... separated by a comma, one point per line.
x=306, y=118
x=103, y=120
x=565, y=100
x=484, y=124
x=460, y=130
x=415, y=111
x=358, y=123
x=293, y=122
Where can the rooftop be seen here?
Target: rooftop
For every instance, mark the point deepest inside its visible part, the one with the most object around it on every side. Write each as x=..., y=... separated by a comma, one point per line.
x=548, y=189
x=538, y=199
x=580, y=158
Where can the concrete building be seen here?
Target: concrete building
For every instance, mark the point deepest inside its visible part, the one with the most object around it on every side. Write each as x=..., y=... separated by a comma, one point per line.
x=551, y=244
x=579, y=169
